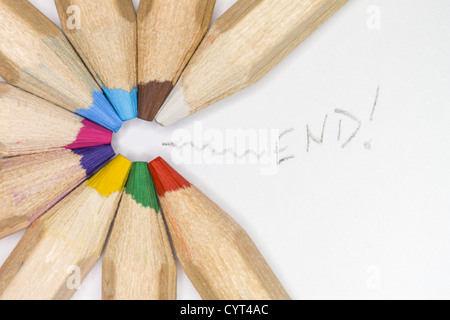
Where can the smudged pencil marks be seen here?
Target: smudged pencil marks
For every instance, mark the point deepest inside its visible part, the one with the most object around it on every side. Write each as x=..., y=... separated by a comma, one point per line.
x=186, y=144
x=283, y=160
x=251, y=151
x=339, y=130
x=279, y=150
x=283, y=149
x=341, y=123
x=214, y=151
x=349, y=124
x=310, y=136
x=286, y=132
x=375, y=104
x=368, y=145
x=236, y=155
x=354, y=118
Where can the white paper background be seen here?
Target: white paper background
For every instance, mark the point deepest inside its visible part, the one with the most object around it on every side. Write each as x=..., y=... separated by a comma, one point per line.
x=336, y=223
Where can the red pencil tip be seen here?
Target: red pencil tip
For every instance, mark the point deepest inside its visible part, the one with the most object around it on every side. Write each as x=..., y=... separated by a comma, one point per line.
x=165, y=177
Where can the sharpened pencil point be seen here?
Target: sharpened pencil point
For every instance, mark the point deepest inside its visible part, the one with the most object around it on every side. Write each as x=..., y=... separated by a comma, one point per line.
x=91, y=135
x=37, y=182
x=102, y=113
x=140, y=186
x=166, y=179
x=174, y=109
x=107, y=44
x=138, y=263
x=151, y=98
x=112, y=178
x=125, y=103
x=169, y=33
x=93, y=158
x=30, y=124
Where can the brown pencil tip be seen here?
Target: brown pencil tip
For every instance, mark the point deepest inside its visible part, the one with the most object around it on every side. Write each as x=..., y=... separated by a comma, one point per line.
x=151, y=97
x=165, y=177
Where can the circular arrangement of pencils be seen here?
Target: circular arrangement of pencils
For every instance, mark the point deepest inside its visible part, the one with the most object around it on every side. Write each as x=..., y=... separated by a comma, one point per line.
x=59, y=175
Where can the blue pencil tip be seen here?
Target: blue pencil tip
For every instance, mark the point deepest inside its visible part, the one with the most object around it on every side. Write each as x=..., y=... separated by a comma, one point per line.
x=124, y=102
x=102, y=113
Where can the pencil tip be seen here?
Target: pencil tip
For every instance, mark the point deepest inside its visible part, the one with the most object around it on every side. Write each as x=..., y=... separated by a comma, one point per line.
x=124, y=102
x=112, y=177
x=91, y=135
x=166, y=179
x=140, y=186
x=151, y=98
x=174, y=109
x=102, y=113
x=93, y=158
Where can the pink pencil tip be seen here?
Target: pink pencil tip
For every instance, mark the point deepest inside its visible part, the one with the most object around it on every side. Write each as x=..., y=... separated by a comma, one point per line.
x=91, y=135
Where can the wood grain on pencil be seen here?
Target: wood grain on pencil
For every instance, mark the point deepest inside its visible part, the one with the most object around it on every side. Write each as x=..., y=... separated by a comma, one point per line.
x=218, y=256
x=60, y=248
x=106, y=41
x=242, y=46
x=169, y=31
x=139, y=262
x=36, y=56
x=30, y=185
x=29, y=124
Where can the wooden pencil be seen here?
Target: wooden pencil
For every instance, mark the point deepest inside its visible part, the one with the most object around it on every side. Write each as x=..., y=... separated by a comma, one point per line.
x=106, y=41
x=37, y=57
x=138, y=262
x=242, y=46
x=169, y=31
x=29, y=124
x=30, y=185
x=217, y=255
x=60, y=248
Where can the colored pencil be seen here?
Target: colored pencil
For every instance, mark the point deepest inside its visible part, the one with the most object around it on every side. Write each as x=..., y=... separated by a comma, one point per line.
x=37, y=57
x=241, y=47
x=29, y=124
x=217, y=255
x=139, y=262
x=60, y=248
x=169, y=31
x=30, y=185
x=106, y=41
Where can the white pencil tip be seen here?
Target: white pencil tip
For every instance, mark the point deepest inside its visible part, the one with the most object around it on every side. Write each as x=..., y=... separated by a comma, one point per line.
x=174, y=109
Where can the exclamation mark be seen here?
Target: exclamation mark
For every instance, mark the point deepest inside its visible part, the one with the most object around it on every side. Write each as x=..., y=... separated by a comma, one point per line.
x=368, y=144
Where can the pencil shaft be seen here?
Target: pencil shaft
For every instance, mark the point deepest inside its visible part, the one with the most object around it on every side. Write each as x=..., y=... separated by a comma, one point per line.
x=242, y=46
x=138, y=262
x=62, y=241
x=60, y=248
x=106, y=41
x=169, y=32
x=28, y=189
x=218, y=256
x=30, y=185
x=32, y=125
x=36, y=56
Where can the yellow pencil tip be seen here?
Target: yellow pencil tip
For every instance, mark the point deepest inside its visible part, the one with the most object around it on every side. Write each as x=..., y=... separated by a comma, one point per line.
x=112, y=178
